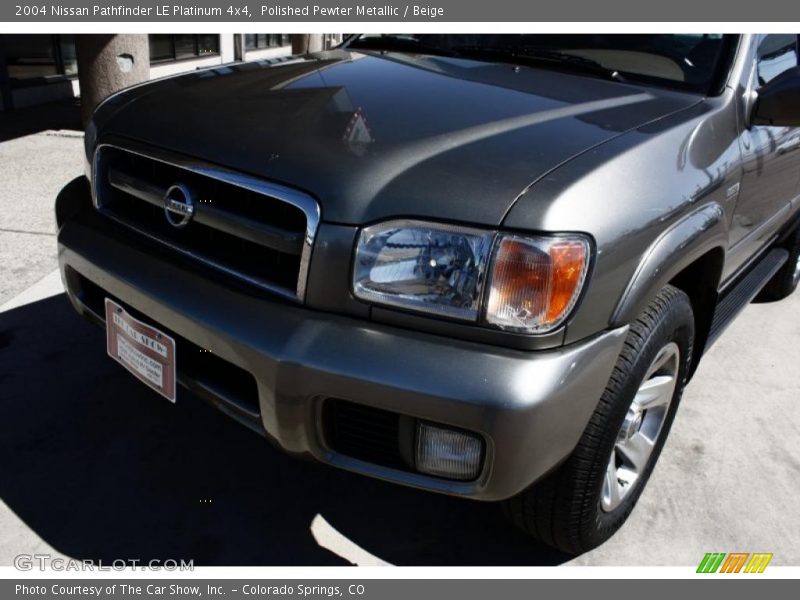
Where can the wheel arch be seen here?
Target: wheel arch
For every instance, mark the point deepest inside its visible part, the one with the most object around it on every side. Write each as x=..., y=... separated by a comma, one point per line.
x=689, y=255
x=700, y=281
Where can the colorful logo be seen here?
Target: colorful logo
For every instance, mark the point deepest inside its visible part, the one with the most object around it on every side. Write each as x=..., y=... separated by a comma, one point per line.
x=735, y=562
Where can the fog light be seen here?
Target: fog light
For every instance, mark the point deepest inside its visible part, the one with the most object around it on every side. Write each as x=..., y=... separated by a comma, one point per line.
x=448, y=452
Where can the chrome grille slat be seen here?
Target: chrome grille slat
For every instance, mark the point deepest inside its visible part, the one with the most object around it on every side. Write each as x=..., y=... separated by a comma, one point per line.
x=259, y=233
x=136, y=187
x=289, y=242
x=256, y=231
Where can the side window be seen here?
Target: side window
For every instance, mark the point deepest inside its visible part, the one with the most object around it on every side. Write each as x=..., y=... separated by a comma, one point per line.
x=776, y=53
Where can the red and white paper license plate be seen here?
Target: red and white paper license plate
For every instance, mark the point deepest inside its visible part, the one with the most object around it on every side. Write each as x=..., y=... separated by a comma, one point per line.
x=145, y=351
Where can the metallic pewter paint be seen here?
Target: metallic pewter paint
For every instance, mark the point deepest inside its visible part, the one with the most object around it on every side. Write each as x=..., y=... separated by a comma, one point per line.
x=482, y=132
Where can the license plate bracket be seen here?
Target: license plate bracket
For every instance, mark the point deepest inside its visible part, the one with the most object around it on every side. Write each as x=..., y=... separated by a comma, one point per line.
x=146, y=352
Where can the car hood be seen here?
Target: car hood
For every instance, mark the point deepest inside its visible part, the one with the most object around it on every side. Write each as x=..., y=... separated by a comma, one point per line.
x=373, y=136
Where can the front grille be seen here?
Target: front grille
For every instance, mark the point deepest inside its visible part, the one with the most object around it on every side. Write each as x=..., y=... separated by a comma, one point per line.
x=369, y=434
x=243, y=227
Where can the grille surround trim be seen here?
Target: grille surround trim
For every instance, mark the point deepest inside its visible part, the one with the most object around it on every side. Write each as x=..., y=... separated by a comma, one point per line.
x=296, y=198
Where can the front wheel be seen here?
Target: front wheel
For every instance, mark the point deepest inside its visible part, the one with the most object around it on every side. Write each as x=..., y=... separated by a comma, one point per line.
x=588, y=498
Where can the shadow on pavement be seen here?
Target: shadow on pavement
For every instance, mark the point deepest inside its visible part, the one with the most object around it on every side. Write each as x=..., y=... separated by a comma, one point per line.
x=100, y=467
x=26, y=121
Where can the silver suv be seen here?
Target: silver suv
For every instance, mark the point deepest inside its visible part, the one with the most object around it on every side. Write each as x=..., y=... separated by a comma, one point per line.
x=478, y=265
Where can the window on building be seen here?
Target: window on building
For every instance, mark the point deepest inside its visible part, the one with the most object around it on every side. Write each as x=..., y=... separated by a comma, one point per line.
x=167, y=47
x=32, y=56
x=262, y=41
x=69, y=61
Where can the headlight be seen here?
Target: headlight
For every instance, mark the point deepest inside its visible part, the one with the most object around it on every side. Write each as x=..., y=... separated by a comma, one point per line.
x=533, y=282
x=432, y=268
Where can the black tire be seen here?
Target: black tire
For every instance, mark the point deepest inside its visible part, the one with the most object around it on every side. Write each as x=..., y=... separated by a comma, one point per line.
x=785, y=281
x=564, y=509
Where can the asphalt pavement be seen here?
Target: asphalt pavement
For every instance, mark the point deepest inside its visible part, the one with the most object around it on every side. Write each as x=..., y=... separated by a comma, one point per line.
x=93, y=465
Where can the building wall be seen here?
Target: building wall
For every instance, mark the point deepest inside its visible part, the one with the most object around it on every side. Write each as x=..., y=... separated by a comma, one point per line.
x=182, y=66
x=267, y=53
x=62, y=88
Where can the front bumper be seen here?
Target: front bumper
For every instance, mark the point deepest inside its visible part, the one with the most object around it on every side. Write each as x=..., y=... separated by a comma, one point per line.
x=530, y=407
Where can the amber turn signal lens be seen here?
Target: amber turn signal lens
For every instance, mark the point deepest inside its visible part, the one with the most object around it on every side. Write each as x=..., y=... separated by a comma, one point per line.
x=535, y=282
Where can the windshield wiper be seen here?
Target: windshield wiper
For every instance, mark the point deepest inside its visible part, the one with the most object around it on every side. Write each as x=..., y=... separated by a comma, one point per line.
x=540, y=57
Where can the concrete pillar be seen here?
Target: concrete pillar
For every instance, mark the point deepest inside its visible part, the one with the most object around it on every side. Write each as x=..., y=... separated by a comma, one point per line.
x=227, y=48
x=107, y=63
x=238, y=47
x=304, y=43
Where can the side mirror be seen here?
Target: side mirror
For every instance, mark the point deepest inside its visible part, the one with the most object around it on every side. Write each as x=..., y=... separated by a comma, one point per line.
x=778, y=102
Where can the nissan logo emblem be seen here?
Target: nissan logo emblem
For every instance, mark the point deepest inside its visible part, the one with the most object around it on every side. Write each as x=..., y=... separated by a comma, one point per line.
x=178, y=205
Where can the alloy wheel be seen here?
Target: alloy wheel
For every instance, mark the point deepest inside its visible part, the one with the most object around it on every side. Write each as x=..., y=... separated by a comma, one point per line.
x=641, y=428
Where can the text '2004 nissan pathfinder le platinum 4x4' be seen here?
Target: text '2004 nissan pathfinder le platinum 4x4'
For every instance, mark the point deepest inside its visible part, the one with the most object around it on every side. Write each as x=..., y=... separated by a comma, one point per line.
x=478, y=265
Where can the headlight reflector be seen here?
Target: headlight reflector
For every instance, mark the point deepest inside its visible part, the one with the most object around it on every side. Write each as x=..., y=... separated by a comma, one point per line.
x=513, y=282
x=535, y=282
x=435, y=268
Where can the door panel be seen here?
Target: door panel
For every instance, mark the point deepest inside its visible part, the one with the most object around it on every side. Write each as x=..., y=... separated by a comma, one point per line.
x=770, y=160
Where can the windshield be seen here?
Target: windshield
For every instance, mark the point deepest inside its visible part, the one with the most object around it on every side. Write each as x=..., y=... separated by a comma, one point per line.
x=692, y=62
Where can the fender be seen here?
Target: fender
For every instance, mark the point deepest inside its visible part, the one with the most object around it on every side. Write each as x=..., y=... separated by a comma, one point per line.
x=674, y=250
x=73, y=198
